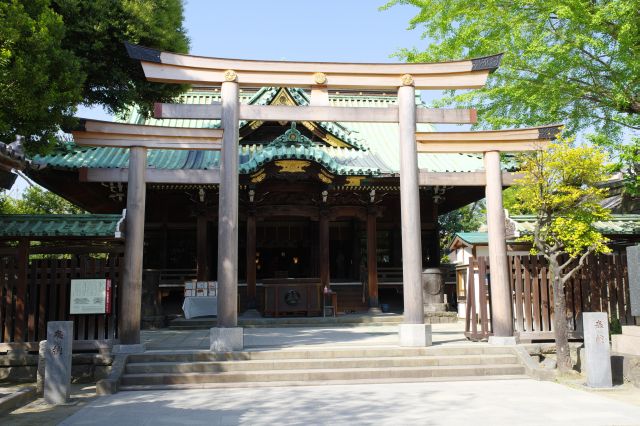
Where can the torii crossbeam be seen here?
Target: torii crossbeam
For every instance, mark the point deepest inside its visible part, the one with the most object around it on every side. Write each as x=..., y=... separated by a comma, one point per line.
x=167, y=67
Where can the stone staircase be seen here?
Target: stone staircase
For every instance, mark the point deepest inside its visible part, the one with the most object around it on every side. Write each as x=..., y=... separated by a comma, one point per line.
x=342, y=320
x=196, y=369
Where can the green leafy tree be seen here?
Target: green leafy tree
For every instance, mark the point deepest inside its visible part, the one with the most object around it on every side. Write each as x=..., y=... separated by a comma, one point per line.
x=36, y=200
x=629, y=165
x=465, y=219
x=559, y=185
x=56, y=54
x=569, y=61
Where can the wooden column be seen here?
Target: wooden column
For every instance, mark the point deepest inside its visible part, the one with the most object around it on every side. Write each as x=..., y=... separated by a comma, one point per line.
x=324, y=249
x=228, y=209
x=372, y=260
x=201, y=249
x=500, y=290
x=251, y=260
x=131, y=293
x=20, y=332
x=410, y=208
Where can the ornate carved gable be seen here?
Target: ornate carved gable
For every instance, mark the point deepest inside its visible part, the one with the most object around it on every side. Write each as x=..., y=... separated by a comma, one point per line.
x=284, y=97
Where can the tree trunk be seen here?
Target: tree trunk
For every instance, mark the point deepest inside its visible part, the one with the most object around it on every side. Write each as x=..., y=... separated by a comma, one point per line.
x=560, y=318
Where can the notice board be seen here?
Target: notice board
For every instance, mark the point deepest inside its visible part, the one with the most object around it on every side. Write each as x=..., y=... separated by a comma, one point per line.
x=90, y=296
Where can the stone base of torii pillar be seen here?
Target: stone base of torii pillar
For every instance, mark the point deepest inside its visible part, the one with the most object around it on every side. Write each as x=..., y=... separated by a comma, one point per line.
x=415, y=335
x=226, y=339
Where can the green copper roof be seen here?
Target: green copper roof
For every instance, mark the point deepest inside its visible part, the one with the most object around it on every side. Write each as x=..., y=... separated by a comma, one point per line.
x=618, y=224
x=473, y=237
x=51, y=225
x=374, y=148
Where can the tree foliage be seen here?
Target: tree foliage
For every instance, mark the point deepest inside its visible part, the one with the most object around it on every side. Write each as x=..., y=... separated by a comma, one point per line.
x=569, y=61
x=36, y=200
x=559, y=186
x=465, y=219
x=56, y=54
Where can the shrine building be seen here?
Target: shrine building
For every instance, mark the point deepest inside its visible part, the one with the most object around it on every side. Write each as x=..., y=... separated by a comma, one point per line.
x=319, y=202
x=287, y=183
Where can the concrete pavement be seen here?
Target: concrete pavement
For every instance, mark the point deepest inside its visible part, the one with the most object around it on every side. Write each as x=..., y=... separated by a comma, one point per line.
x=287, y=337
x=522, y=402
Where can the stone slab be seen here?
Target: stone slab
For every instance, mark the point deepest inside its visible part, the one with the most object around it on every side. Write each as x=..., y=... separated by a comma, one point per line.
x=502, y=340
x=625, y=344
x=631, y=330
x=42, y=351
x=128, y=349
x=415, y=335
x=435, y=307
x=597, y=350
x=57, y=374
x=16, y=399
x=229, y=339
x=633, y=266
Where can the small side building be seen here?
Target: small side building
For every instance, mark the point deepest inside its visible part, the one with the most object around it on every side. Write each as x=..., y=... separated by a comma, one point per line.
x=622, y=229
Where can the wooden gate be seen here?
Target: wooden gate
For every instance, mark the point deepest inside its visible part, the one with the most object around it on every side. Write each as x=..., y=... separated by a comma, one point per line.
x=600, y=286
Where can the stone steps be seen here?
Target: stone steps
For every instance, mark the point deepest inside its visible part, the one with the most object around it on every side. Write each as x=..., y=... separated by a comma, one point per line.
x=162, y=369
x=322, y=374
x=318, y=383
x=343, y=320
x=306, y=364
x=317, y=353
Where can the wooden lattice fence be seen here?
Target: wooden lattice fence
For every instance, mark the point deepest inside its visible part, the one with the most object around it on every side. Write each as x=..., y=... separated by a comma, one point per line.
x=28, y=301
x=600, y=286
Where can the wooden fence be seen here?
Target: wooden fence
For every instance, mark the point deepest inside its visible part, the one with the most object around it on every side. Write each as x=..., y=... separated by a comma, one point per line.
x=28, y=300
x=600, y=286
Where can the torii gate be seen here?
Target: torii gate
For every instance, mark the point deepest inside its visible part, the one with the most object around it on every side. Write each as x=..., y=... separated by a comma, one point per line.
x=138, y=139
x=319, y=77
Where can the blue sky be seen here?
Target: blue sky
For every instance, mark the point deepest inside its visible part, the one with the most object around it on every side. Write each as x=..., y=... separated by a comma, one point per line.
x=296, y=30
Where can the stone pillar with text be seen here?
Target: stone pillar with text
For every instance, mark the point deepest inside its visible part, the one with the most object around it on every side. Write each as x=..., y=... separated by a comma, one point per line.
x=413, y=330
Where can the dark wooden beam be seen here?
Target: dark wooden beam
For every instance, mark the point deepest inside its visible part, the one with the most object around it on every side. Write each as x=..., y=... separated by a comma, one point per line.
x=372, y=260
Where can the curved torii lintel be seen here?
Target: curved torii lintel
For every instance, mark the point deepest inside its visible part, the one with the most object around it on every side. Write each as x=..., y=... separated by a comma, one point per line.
x=511, y=140
x=170, y=67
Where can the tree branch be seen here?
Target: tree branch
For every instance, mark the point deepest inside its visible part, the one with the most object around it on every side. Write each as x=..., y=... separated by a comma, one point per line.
x=566, y=277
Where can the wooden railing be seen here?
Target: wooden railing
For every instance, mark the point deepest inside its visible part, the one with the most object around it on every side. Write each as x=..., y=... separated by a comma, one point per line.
x=600, y=286
x=26, y=305
x=390, y=275
x=478, y=307
x=175, y=277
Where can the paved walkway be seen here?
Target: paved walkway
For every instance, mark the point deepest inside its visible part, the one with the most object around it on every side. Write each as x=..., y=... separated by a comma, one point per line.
x=286, y=337
x=521, y=402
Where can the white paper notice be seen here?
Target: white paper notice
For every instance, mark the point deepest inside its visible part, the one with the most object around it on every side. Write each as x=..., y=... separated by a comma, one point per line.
x=88, y=296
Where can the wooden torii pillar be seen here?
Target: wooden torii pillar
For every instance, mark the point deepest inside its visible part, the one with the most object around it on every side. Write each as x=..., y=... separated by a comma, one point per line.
x=170, y=67
x=491, y=143
x=138, y=139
